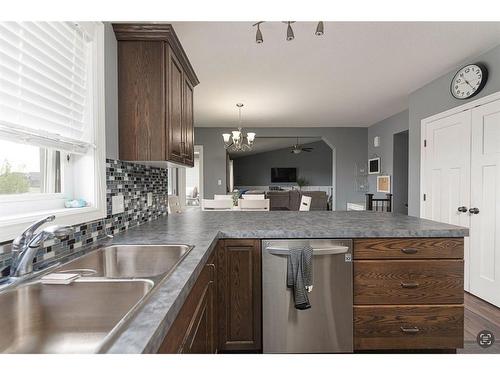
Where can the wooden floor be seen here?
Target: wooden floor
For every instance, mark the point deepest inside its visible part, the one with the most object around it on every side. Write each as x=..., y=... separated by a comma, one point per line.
x=480, y=315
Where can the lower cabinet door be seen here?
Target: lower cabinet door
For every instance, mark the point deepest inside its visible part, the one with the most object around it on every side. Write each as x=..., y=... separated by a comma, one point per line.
x=239, y=306
x=200, y=334
x=194, y=330
x=408, y=327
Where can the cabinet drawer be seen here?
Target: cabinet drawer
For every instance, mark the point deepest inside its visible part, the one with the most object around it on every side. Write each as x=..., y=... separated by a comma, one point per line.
x=408, y=327
x=409, y=248
x=398, y=282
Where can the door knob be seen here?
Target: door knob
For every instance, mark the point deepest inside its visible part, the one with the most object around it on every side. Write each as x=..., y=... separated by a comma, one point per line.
x=462, y=209
x=474, y=210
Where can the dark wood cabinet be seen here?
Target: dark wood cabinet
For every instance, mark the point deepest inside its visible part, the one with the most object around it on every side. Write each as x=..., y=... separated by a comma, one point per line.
x=188, y=124
x=155, y=95
x=195, y=328
x=408, y=293
x=400, y=327
x=403, y=300
x=175, y=108
x=240, y=296
x=409, y=248
x=141, y=101
x=386, y=282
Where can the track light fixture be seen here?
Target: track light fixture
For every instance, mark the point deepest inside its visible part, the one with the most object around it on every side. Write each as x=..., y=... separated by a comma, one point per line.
x=258, y=34
x=320, y=29
x=289, y=31
x=290, y=35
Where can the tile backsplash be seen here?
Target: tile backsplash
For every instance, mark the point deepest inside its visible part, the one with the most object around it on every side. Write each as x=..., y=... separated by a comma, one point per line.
x=133, y=181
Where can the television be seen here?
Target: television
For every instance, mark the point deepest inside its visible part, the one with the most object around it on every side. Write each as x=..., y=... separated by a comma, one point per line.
x=283, y=175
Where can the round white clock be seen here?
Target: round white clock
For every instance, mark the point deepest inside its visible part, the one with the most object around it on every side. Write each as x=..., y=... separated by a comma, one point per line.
x=468, y=81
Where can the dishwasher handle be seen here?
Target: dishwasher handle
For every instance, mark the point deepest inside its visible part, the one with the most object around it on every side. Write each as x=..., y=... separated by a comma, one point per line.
x=332, y=250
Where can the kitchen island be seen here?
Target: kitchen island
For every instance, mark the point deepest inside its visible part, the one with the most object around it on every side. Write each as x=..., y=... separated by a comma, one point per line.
x=147, y=330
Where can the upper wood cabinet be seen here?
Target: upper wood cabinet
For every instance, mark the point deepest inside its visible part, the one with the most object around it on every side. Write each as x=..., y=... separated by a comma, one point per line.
x=188, y=125
x=155, y=95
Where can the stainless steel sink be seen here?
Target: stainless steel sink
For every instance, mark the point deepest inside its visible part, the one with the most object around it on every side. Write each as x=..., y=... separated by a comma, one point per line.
x=85, y=316
x=75, y=318
x=129, y=261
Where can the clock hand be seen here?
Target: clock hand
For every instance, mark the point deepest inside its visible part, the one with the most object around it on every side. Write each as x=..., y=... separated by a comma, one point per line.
x=472, y=87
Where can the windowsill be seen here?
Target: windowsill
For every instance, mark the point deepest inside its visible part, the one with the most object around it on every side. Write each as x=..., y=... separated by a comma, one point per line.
x=11, y=227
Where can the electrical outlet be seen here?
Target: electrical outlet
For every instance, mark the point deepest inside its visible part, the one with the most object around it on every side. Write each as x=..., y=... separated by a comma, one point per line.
x=149, y=199
x=219, y=182
x=117, y=204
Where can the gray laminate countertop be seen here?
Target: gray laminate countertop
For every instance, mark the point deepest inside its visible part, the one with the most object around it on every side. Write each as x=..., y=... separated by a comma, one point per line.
x=147, y=329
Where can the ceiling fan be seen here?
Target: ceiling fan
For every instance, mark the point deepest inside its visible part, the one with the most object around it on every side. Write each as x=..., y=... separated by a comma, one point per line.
x=298, y=148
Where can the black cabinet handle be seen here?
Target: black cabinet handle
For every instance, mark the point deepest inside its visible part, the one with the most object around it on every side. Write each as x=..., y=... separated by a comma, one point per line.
x=474, y=210
x=409, y=285
x=410, y=330
x=462, y=209
x=409, y=251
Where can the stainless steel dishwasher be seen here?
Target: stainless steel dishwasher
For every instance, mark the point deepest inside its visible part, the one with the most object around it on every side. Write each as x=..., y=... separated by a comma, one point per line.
x=327, y=327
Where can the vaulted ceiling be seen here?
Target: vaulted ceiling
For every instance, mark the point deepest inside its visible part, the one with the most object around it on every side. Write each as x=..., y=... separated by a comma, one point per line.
x=356, y=74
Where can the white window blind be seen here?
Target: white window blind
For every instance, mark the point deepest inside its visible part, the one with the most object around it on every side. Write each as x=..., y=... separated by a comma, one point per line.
x=44, y=84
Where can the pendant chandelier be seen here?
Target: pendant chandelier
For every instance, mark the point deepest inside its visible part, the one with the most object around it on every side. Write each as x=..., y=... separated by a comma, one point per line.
x=237, y=140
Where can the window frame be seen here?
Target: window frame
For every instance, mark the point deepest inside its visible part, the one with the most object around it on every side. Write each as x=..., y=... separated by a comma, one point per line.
x=93, y=163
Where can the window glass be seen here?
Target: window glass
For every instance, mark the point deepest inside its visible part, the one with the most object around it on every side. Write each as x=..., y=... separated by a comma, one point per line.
x=26, y=169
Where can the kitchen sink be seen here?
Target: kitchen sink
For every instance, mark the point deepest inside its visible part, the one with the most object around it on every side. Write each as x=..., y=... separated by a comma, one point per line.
x=75, y=318
x=129, y=261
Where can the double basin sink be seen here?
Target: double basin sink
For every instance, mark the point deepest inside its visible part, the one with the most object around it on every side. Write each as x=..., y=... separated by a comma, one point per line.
x=86, y=315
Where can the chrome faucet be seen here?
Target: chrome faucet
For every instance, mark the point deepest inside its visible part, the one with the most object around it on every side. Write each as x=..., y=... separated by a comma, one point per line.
x=25, y=246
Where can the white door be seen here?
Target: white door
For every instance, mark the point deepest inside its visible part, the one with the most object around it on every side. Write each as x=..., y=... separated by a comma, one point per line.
x=446, y=168
x=485, y=196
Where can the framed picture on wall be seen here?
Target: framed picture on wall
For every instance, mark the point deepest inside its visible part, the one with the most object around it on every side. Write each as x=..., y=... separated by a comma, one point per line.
x=374, y=166
x=384, y=184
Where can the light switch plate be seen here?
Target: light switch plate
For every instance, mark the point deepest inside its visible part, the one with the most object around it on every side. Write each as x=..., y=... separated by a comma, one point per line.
x=117, y=204
x=149, y=199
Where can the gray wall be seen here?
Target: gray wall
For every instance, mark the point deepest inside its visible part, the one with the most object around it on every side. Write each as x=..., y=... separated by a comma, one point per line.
x=349, y=144
x=111, y=91
x=435, y=98
x=400, y=173
x=385, y=129
x=315, y=166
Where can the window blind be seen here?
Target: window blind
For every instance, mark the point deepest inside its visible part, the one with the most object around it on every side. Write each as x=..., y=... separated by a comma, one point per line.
x=44, y=84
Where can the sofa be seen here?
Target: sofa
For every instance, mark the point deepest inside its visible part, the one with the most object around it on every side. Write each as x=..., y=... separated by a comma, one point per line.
x=319, y=200
x=290, y=200
x=284, y=200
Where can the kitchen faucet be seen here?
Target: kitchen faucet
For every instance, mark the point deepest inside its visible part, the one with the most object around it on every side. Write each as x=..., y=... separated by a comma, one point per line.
x=26, y=245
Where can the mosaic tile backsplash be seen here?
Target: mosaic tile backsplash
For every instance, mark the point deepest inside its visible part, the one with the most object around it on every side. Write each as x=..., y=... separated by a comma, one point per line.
x=134, y=181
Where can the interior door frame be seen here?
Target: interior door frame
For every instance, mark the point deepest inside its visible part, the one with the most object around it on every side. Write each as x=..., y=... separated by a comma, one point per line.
x=199, y=149
x=423, y=123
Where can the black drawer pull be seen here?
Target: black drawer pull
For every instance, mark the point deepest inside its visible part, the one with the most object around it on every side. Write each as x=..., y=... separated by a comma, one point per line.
x=409, y=251
x=410, y=330
x=409, y=285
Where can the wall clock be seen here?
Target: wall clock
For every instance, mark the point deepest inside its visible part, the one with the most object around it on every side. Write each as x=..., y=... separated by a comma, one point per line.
x=469, y=81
